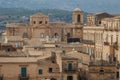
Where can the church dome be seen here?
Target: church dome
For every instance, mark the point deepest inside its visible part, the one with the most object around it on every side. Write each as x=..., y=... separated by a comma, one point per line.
x=77, y=9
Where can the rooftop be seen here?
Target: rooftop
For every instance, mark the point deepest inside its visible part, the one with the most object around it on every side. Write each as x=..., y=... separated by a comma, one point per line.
x=77, y=9
x=39, y=15
x=13, y=54
x=17, y=25
x=101, y=63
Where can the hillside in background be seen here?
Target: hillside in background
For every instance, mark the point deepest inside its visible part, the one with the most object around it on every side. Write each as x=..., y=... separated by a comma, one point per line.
x=23, y=15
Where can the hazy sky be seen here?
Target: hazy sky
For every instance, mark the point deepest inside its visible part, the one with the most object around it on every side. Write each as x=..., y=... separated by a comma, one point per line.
x=112, y=6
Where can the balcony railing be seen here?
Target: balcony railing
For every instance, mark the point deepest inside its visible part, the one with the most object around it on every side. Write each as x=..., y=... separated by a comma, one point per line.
x=70, y=71
x=21, y=77
x=1, y=76
x=111, y=29
x=88, y=42
x=106, y=43
x=98, y=71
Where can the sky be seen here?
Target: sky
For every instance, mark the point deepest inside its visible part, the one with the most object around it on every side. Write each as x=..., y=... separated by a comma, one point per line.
x=93, y=6
x=112, y=6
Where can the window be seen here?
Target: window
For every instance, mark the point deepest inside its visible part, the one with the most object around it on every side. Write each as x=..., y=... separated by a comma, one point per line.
x=111, y=39
x=69, y=77
x=50, y=70
x=101, y=71
x=25, y=35
x=46, y=22
x=53, y=61
x=78, y=18
x=56, y=35
x=40, y=22
x=53, y=79
x=16, y=45
x=23, y=71
x=70, y=66
x=117, y=74
x=34, y=22
x=117, y=38
x=99, y=22
x=8, y=49
x=40, y=71
x=68, y=35
x=0, y=69
x=41, y=35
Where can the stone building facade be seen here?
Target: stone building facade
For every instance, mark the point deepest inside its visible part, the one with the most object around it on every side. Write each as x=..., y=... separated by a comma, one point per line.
x=73, y=46
x=103, y=70
x=41, y=28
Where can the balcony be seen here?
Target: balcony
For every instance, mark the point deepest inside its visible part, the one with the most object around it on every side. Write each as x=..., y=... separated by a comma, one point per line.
x=70, y=71
x=100, y=71
x=111, y=28
x=106, y=43
x=1, y=77
x=89, y=42
x=21, y=77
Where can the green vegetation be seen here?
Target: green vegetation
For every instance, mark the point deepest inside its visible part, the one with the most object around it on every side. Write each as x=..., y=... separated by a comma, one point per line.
x=23, y=15
x=57, y=15
x=54, y=14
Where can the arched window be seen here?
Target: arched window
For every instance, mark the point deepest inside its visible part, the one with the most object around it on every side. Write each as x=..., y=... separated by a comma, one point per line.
x=34, y=22
x=99, y=22
x=40, y=22
x=78, y=18
x=101, y=71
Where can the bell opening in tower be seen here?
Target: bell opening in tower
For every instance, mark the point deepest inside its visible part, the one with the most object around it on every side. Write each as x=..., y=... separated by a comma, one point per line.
x=78, y=18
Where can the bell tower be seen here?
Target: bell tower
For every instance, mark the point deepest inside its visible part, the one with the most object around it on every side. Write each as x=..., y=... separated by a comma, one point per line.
x=77, y=17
